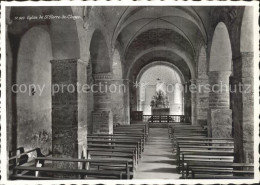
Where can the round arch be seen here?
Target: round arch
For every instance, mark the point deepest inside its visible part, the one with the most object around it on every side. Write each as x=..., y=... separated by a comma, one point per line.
x=33, y=90
x=164, y=63
x=99, y=53
x=246, y=38
x=173, y=80
x=221, y=52
x=185, y=56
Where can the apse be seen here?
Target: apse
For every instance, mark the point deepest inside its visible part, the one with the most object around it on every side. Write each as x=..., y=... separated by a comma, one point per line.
x=169, y=80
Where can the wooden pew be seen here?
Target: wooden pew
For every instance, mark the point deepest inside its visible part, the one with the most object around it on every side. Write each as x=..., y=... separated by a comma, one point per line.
x=121, y=134
x=132, y=155
x=118, y=137
x=23, y=157
x=116, y=153
x=202, y=168
x=118, y=173
x=197, y=140
x=116, y=142
x=170, y=125
x=201, y=144
x=138, y=125
x=188, y=130
x=127, y=130
x=63, y=171
x=194, y=155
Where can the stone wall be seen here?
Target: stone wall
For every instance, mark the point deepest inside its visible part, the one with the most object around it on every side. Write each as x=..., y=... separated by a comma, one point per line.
x=34, y=105
x=248, y=105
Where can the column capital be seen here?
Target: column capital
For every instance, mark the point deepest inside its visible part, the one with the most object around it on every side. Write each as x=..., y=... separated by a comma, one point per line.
x=102, y=76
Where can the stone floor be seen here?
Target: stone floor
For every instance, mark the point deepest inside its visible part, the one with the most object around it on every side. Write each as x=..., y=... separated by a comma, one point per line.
x=158, y=160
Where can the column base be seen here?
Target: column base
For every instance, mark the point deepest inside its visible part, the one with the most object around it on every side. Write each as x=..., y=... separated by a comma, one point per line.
x=102, y=121
x=220, y=123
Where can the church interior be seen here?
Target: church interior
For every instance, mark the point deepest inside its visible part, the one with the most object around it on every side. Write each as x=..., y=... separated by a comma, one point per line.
x=130, y=92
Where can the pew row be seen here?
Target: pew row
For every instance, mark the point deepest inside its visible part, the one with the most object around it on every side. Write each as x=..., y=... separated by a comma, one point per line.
x=36, y=172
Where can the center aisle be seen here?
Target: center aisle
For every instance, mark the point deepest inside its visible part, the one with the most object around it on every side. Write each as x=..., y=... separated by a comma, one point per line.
x=158, y=161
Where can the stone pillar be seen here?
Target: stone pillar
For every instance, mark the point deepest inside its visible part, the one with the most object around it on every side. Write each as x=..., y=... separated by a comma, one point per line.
x=248, y=105
x=193, y=90
x=237, y=117
x=69, y=106
x=202, y=102
x=127, y=102
x=178, y=99
x=118, y=90
x=220, y=114
x=102, y=117
x=187, y=103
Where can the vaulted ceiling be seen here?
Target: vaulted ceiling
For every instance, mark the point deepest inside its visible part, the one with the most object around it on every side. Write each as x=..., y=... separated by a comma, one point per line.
x=142, y=30
x=179, y=31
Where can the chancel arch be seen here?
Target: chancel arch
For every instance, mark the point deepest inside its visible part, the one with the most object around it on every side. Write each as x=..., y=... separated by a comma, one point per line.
x=172, y=84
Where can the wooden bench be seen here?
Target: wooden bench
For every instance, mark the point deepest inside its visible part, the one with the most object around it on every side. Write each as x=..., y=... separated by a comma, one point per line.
x=116, y=142
x=115, y=137
x=144, y=125
x=119, y=138
x=23, y=157
x=217, y=168
x=15, y=176
x=170, y=125
x=124, y=170
x=128, y=130
x=202, y=144
x=194, y=155
x=189, y=130
x=108, y=151
x=201, y=140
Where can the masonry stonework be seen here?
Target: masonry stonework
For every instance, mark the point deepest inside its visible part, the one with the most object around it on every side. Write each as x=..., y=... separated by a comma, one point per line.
x=69, y=128
x=102, y=117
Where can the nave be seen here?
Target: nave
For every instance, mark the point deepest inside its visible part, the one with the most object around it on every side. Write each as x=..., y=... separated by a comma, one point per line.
x=182, y=151
x=131, y=92
x=158, y=161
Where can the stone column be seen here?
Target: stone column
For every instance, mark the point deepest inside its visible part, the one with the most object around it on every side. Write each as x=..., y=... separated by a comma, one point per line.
x=69, y=106
x=178, y=99
x=126, y=102
x=187, y=103
x=202, y=102
x=102, y=117
x=220, y=114
x=118, y=90
x=237, y=117
x=193, y=90
x=248, y=105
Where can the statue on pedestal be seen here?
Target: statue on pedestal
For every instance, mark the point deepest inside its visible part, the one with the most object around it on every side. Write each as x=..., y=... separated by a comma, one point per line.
x=160, y=99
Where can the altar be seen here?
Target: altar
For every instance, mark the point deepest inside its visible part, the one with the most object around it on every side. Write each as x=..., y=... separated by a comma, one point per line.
x=160, y=101
x=160, y=111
